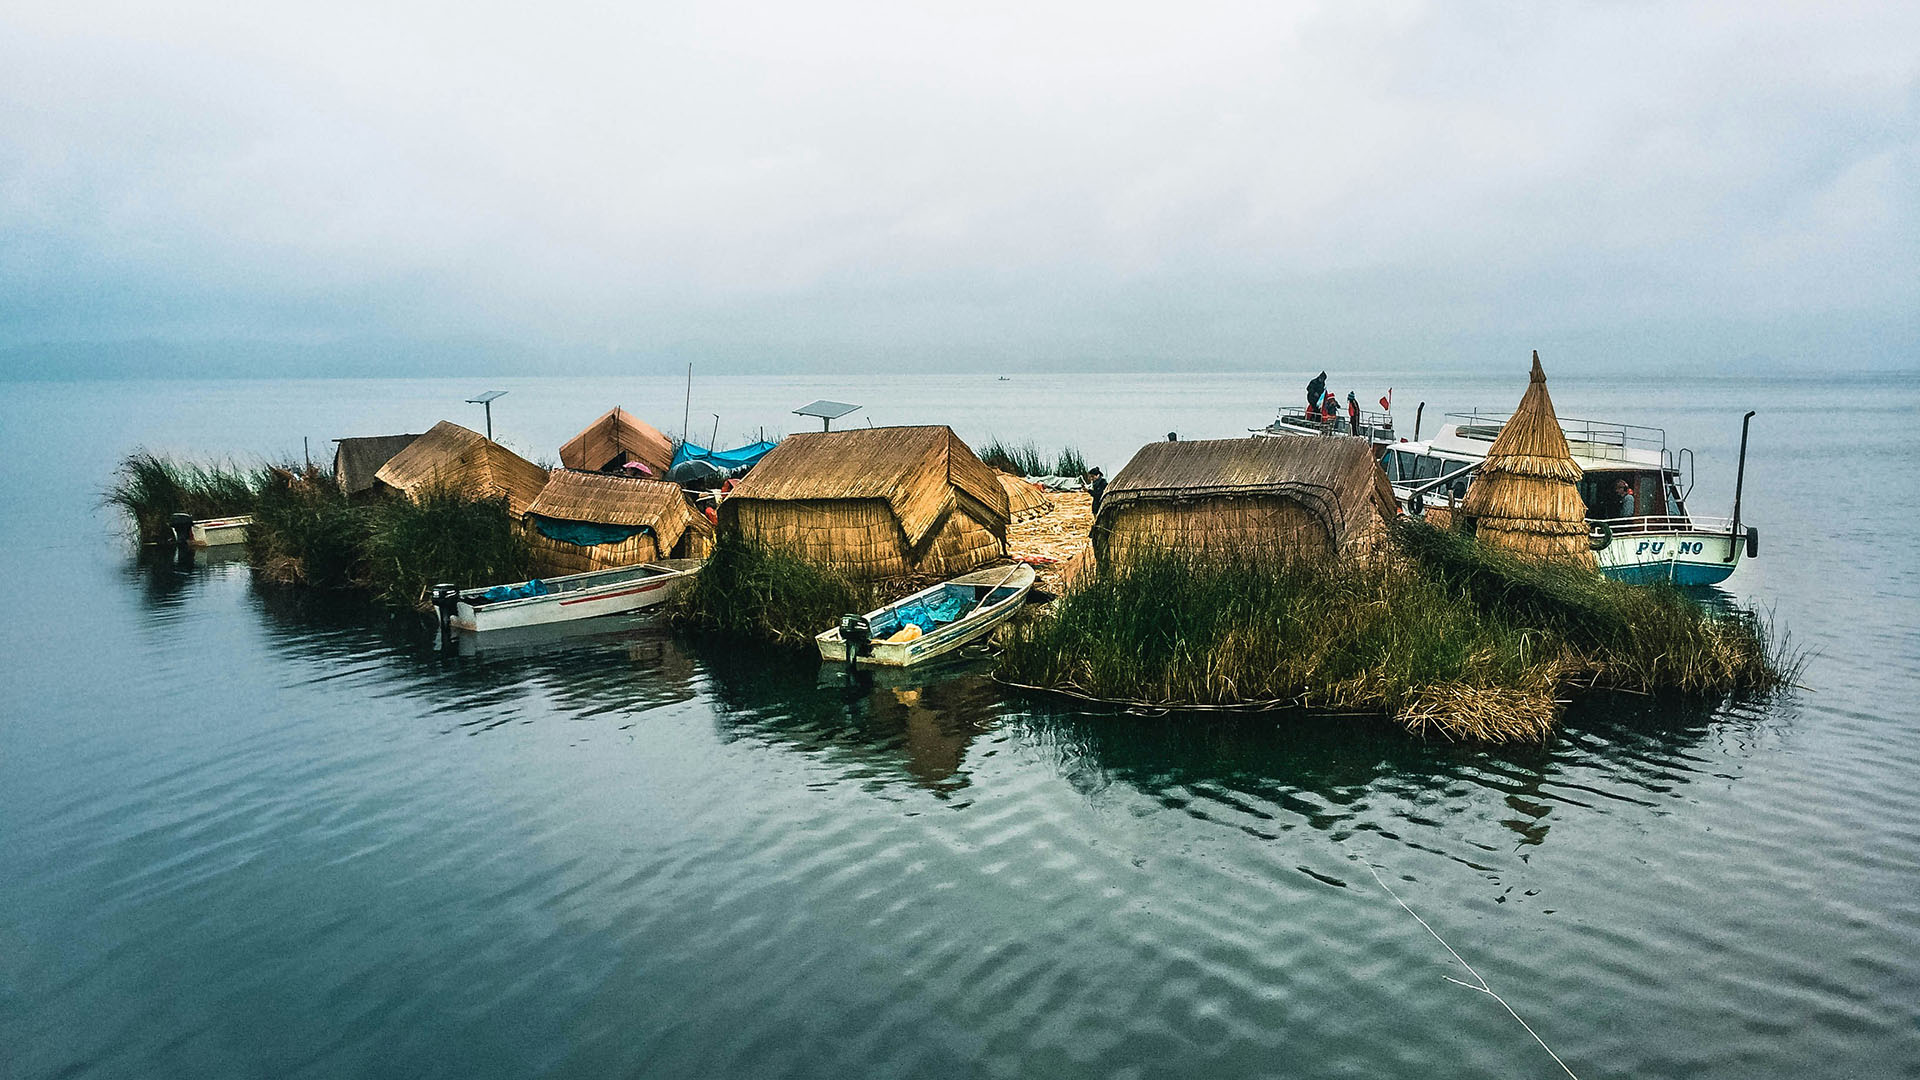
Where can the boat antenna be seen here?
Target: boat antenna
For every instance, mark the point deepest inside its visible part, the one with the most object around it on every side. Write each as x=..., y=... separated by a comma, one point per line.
x=687, y=416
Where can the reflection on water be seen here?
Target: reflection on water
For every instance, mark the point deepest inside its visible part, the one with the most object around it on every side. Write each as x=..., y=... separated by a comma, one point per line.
x=914, y=721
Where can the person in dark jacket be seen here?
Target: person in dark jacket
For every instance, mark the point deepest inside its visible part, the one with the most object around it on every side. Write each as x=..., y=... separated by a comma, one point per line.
x=1097, y=484
x=1353, y=414
x=1316, y=389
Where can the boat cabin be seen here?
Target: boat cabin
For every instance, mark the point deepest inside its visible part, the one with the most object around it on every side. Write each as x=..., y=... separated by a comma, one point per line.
x=1441, y=467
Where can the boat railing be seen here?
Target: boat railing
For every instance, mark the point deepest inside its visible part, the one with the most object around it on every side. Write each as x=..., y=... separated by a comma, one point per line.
x=1597, y=438
x=1378, y=425
x=1665, y=524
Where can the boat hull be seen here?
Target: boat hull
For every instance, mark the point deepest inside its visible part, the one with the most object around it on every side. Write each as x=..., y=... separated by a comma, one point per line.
x=618, y=597
x=945, y=639
x=221, y=532
x=1677, y=558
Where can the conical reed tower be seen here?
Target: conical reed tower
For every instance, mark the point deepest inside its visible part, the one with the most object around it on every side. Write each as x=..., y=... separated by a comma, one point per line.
x=1525, y=498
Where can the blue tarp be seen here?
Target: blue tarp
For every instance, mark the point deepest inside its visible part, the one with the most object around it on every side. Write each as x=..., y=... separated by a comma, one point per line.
x=514, y=592
x=937, y=611
x=726, y=459
x=584, y=533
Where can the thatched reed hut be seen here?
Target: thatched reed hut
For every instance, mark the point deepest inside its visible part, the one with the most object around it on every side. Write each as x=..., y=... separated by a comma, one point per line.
x=874, y=502
x=615, y=439
x=357, y=461
x=1024, y=500
x=1526, y=497
x=585, y=521
x=465, y=460
x=1265, y=498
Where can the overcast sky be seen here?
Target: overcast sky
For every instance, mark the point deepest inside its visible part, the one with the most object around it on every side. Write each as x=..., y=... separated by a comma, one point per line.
x=414, y=187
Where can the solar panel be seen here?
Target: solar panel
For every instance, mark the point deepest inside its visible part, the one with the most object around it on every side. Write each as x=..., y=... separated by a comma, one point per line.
x=825, y=410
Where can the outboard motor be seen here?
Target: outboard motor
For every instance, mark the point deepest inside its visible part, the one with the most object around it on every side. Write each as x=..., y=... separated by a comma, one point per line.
x=858, y=635
x=182, y=526
x=446, y=601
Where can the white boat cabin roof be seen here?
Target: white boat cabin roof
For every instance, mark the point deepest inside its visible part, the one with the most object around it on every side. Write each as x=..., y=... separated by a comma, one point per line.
x=1596, y=446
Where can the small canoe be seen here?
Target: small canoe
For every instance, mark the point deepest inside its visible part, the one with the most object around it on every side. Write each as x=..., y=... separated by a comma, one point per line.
x=219, y=532
x=619, y=591
x=932, y=622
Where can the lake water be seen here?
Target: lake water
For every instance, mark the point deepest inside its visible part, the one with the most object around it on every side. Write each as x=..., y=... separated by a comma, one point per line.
x=243, y=834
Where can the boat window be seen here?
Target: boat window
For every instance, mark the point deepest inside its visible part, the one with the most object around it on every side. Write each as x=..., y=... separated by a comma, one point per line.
x=1389, y=465
x=1429, y=467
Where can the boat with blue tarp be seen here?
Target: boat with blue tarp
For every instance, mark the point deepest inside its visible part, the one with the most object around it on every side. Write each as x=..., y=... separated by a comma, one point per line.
x=932, y=622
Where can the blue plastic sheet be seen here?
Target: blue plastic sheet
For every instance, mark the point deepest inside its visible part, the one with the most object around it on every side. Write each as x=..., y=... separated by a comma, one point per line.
x=584, y=533
x=514, y=592
x=726, y=459
x=934, y=612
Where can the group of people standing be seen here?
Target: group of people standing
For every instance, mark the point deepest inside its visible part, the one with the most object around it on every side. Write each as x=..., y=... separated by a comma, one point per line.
x=1322, y=405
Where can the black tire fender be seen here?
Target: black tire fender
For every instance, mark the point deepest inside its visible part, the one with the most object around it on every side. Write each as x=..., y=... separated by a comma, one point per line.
x=1599, y=535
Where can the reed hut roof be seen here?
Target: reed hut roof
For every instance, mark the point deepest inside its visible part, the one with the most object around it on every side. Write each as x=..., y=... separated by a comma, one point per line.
x=356, y=461
x=1525, y=497
x=616, y=438
x=1531, y=443
x=465, y=460
x=916, y=470
x=602, y=499
x=1024, y=500
x=1338, y=480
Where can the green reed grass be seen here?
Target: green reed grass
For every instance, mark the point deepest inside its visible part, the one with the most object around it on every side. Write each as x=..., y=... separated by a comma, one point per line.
x=151, y=488
x=307, y=533
x=442, y=535
x=1026, y=459
x=1440, y=636
x=750, y=590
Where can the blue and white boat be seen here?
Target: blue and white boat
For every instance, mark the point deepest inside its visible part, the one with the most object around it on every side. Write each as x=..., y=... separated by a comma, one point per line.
x=1642, y=534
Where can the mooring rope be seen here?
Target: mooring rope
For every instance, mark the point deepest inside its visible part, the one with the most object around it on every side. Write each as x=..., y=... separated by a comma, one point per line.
x=1478, y=983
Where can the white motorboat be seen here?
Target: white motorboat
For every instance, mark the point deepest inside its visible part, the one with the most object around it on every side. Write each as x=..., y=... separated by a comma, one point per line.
x=219, y=532
x=538, y=602
x=932, y=622
x=1643, y=535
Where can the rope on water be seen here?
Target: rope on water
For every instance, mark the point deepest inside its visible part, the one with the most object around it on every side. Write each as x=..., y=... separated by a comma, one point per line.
x=1478, y=983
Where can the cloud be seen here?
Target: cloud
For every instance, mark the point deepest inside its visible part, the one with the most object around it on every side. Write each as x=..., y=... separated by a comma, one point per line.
x=1188, y=184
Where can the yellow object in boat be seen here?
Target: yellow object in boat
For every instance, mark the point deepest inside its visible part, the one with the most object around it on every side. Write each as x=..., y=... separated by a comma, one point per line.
x=905, y=633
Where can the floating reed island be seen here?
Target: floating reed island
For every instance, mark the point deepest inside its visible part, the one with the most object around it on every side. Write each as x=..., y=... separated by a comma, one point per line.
x=1262, y=573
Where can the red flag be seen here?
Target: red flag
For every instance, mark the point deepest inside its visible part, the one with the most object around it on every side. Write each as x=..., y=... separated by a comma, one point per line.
x=1387, y=402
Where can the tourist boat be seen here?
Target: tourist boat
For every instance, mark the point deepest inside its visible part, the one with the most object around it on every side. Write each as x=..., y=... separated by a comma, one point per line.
x=219, y=532
x=1660, y=541
x=538, y=602
x=932, y=622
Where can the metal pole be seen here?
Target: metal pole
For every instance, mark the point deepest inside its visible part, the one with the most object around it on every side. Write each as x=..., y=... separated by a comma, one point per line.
x=1417, y=414
x=489, y=407
x=686, y=417
x=1739, y=488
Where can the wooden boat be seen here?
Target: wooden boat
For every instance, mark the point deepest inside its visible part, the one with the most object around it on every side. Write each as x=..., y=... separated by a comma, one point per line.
x=945, y=616
x=218, y=532
x=618, y=591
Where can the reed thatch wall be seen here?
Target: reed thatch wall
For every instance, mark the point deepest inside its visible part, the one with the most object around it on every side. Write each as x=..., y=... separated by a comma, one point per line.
x=616, y=438
x=874, y=502
x=862, y=538
x=464, y=460
x=1241, y=525
x=673, y=528
x=1024, y=500
x=1289, y=496
x=1525, y=498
